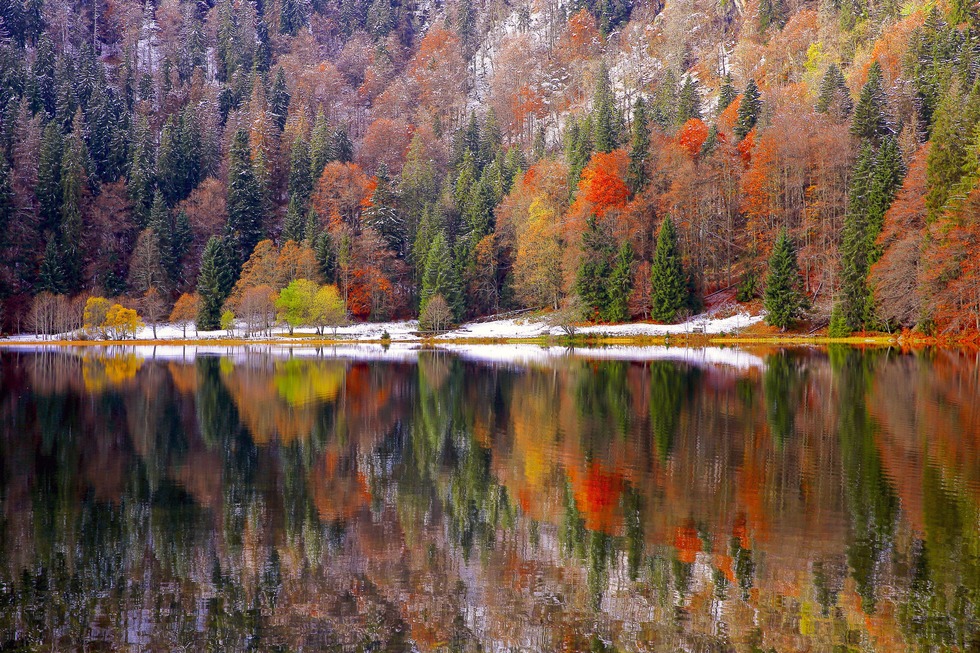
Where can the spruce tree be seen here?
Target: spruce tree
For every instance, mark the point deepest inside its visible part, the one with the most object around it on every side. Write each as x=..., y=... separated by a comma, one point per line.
x=300, y=183
x=51, y=276
x=871, y=113
x=955, y=121
x=141, y=177
x=748, y=110
x=279, y=97
x=670, y=292
x=74, y=179
x=341, y=147
x=604, y=119
x=441, y=277
x=688, y=101
x=244, y=198
x=213, y=284
x=663, y=109
x=593, y=277
x=292, y=17
x=294, y=226
x=319, y=147
x=783, y=299
x=636, y=173
x=727, y=93
x=834, y=97
x=771, y=14
x=48, y=188
x=621, y=284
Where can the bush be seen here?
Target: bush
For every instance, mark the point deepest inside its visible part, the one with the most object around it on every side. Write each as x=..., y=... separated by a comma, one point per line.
x=748, y=288
x=838, y=323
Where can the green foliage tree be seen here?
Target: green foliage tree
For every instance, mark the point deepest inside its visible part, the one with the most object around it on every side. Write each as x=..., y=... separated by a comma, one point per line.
x=636, y=173
x=748, y=110
x=783, y=299
x=871, y=120
x=670, y=292
x=956, y=119
x=441, y=277
x=214, y=283
x=834, y=97
x=295, y=304
x=74, y=180
x=593, y=277
x=688, y=101
x=300, y=183
x=244, y=227
x=621, y=284
x=727, y=93
x=279, y=96
x=48, y=189
x=605, y=119
x=772, y=14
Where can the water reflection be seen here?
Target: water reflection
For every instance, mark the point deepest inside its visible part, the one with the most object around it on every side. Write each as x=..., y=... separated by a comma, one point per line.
x=786, y=500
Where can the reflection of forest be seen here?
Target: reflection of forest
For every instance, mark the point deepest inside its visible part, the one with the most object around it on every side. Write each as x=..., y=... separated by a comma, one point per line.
x=826, y=502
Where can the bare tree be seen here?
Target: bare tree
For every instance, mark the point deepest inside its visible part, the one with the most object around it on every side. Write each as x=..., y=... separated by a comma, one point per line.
x=437, y=315
x=154, y=308
x=257, y=309
x=43, y=316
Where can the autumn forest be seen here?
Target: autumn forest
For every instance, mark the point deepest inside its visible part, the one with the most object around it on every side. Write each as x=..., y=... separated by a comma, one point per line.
x=626, y=160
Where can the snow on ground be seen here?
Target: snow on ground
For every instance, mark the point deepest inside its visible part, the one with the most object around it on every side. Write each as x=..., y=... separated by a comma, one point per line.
x=407, y=331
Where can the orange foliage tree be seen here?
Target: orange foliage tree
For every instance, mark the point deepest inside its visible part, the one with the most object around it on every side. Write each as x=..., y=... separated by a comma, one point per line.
x=692, y=136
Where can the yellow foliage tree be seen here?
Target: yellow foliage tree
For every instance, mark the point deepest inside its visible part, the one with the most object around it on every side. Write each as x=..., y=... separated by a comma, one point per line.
x=94, y=316
x=121, y=322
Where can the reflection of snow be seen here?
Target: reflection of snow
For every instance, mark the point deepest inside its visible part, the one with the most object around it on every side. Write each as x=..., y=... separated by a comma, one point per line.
x=524, y=354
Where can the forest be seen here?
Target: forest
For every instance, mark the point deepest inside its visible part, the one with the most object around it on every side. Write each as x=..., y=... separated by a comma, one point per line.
x=818, y=159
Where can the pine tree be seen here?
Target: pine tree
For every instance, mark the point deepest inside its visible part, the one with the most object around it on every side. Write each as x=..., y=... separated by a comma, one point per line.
x=604, y=120
x=294, y=226
x=441, y=277
x=319, y=147
x=593, y=277
x=383, y=215
x=956, y=118
x=300, y=184
x=244, y=198
x=341, y=148
x=141, y=178
x=748, y=110
x=213, y=284
x=663, y=110
x=688, y=101
x=783, y=299
x=279, y=97
x=74, y=179
x=292, y=17
x=727, y=93
x=771, y=14
x=871, y=113
x=834, y=97
x=51, y=277
x=670, y=292
x=48, y=189
x=621, y=284
x=380, y=19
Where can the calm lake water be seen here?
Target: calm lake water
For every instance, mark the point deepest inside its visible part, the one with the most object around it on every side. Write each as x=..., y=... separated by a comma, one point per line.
x=494, y=499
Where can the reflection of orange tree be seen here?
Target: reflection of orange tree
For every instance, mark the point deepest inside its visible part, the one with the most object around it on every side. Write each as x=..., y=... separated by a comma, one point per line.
x=103, y=372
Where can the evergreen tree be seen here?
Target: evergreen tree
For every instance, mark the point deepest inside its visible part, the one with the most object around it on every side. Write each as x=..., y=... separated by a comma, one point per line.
x=441, y=277
x=688, y=101
x=279, y=96
x=605, y=122
x=593, y=277
x=670, y=292
x=244, y=227
x=621, y=284
x=51, y=277
x=956, y=118
x=292, y=16
x=141, y=178
x=300, y=184
x=771, y=14
x=74, y=179
x=748, y=110
x=341, y=148
x=663, y=110
x=783, y=299
x=383, y=215
x=870, y=115
x=213, y=284
x=380, y=18
x=319, y=147
x=48, y=189
x=834, y=97
x=579, y=149
x=294, y=226
x=727, y=93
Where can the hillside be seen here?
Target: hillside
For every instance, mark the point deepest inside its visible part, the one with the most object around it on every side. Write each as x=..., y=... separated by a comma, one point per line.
x=620, y=159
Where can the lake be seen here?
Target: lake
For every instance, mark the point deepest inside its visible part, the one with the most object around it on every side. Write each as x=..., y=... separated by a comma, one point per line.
x=490, y=498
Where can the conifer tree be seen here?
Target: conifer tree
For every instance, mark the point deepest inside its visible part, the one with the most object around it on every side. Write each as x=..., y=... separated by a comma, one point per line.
x=771, y=14
x=727, y=93
x=294, y=226
x=871, y=113
x=279, y=97
x=141, y=177
x=319, y=147
x=74, y=179
x=748, y=110
x=956, y=118
x=300, y=183
x=783, y=299
x=244, y=198
x=48, y=189
x=834, y=97
x=51, y=276
x=380, y=18
x=604, y=119
x=621, y=284
x=341, y=148
x=667, y=278
x=688, y=101
x=593, y=277
x=292, y=17
x=441, y=277
x=213, y=284
x=663, y=109
x=636, y=173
